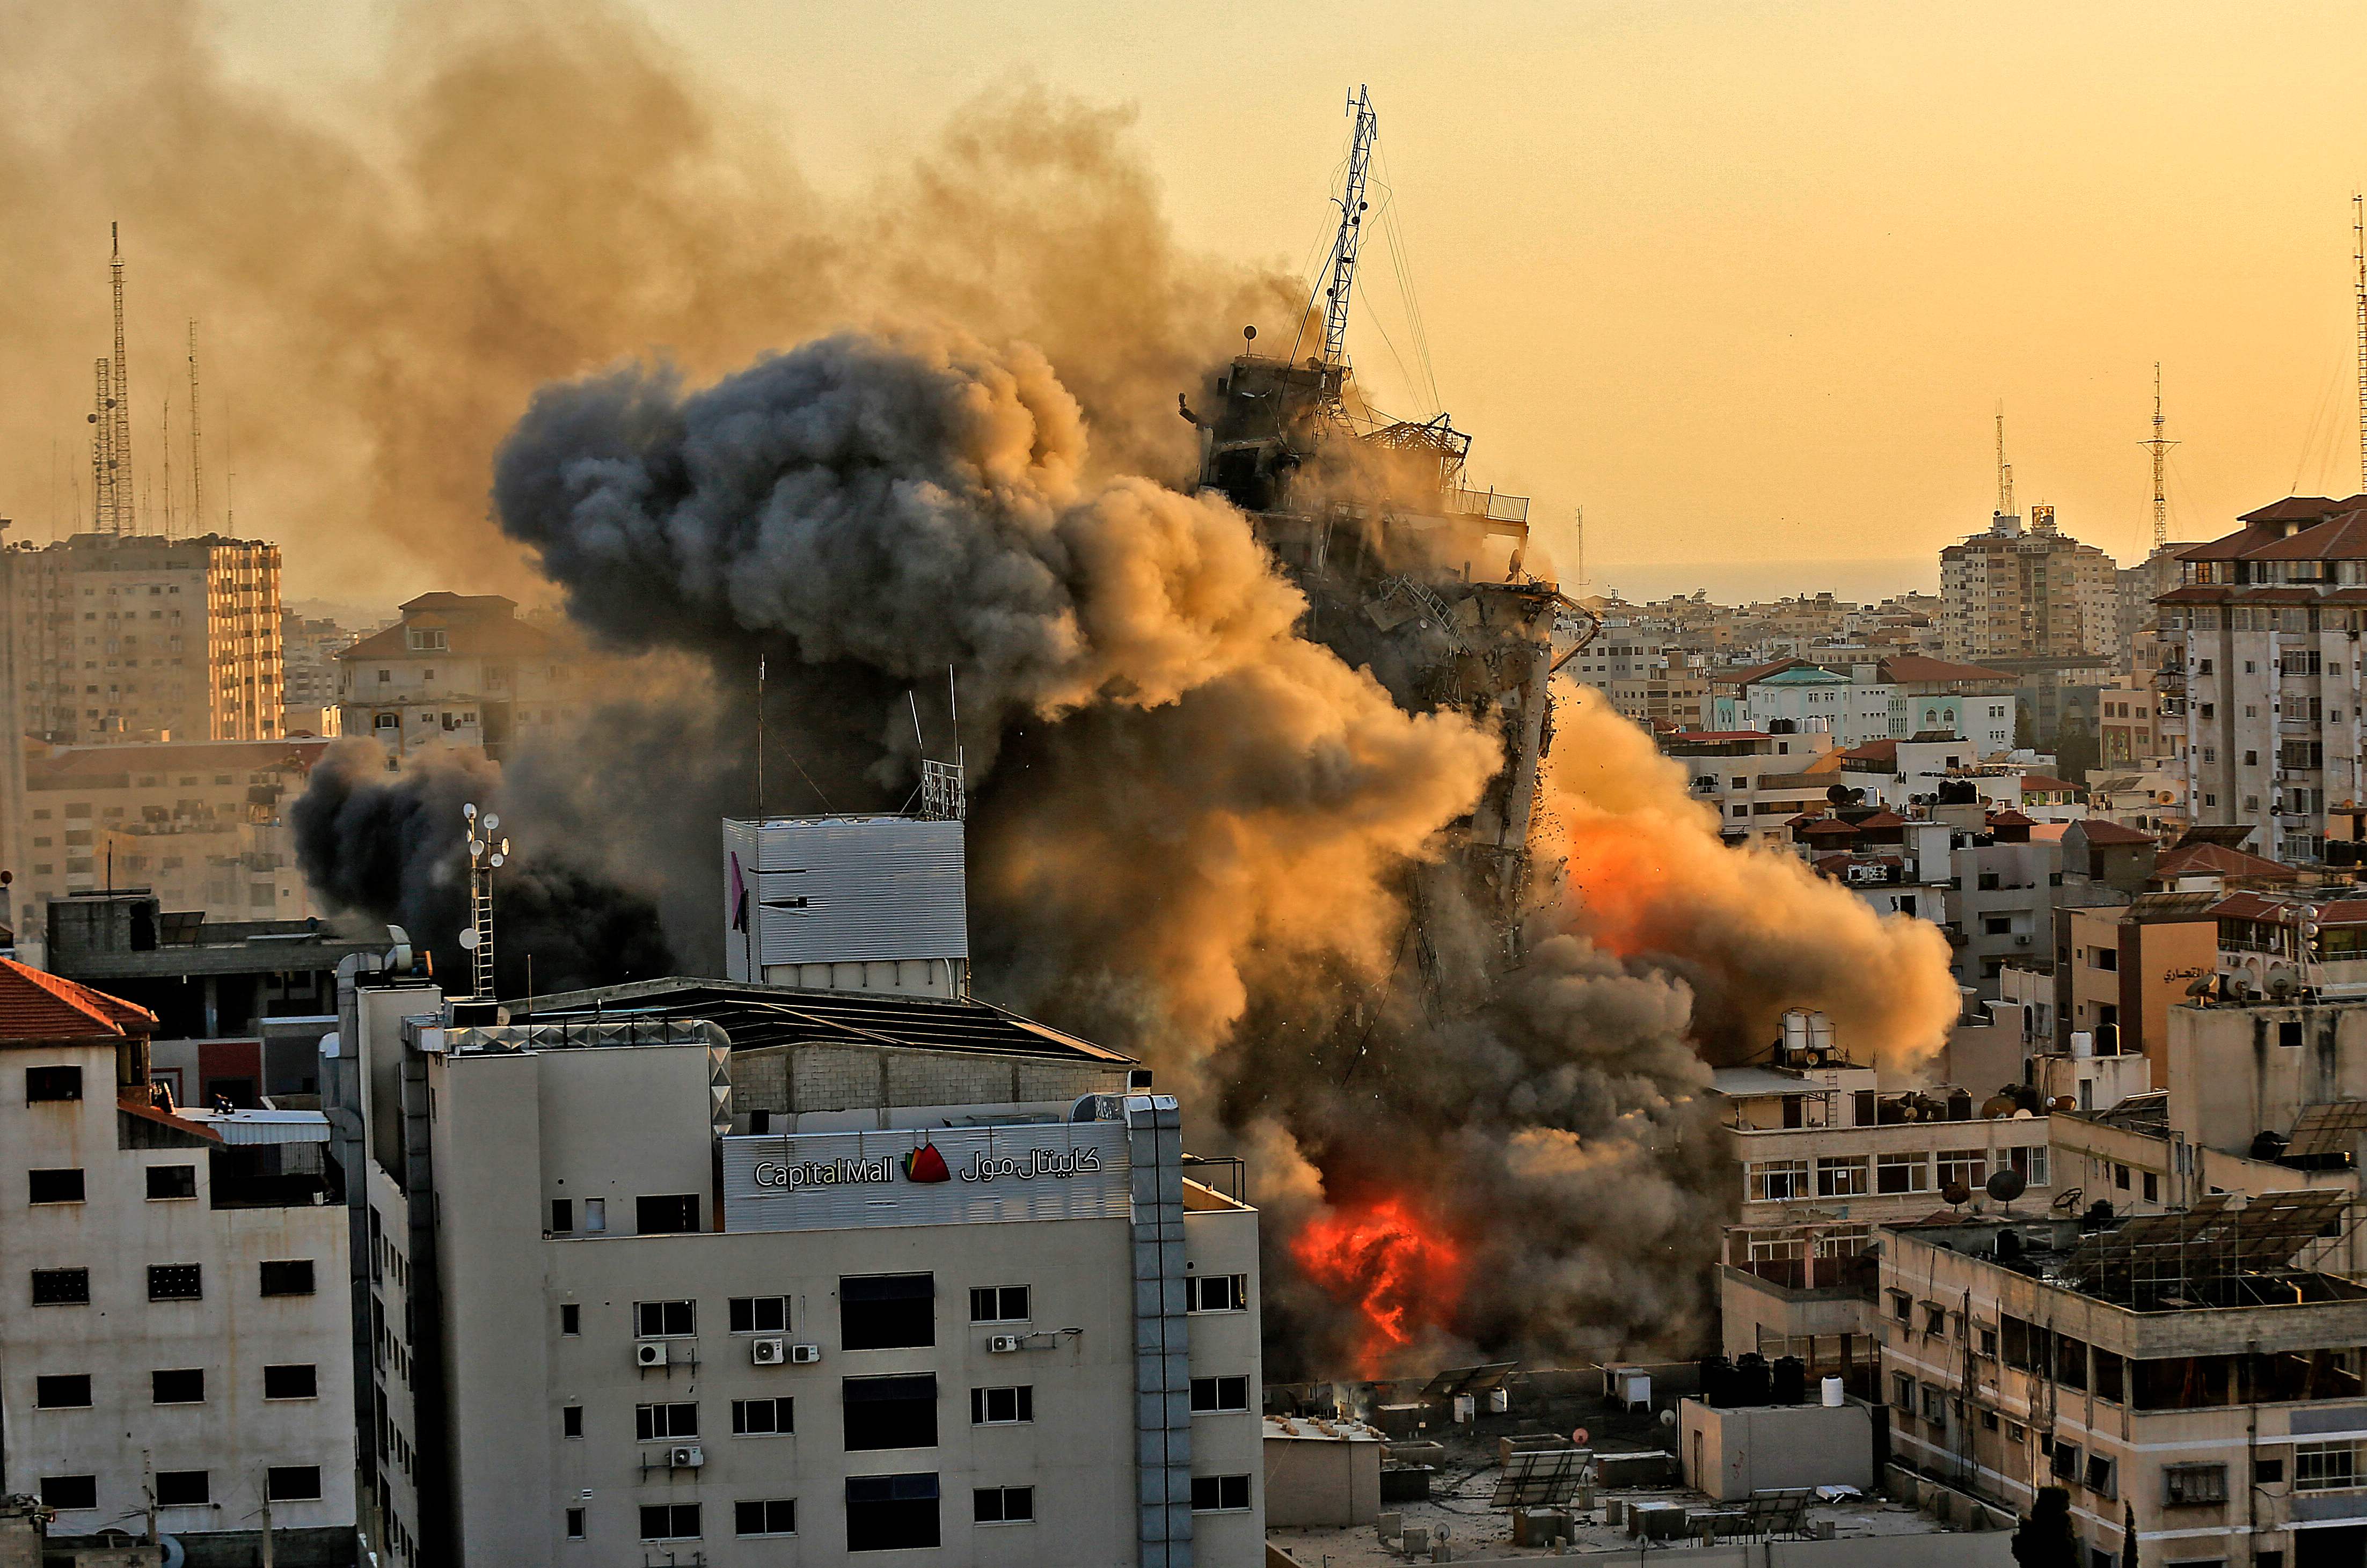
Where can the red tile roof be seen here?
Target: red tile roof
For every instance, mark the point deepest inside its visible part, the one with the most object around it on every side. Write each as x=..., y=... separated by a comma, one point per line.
x=1746, y=675
x=2010, y=817
x=2102, y=830
x=2294, y=509
x=2343, y=537
x=1828, y=827
x=131, y=1104
x=1873, y=752
x=39, y=1006
x=1719, y=735
x=1881, y=820
x=2208, y=860
x=2039, y=783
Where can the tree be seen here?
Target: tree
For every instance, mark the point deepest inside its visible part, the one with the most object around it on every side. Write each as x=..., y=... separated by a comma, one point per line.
x=2075, y=749
x=2045, y=1539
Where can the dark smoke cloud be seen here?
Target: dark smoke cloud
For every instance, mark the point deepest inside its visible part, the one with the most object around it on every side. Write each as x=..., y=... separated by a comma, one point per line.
x=391, y=844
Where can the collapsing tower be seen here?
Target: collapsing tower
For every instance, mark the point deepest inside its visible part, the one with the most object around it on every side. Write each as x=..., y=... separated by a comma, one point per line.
x=1409, y=570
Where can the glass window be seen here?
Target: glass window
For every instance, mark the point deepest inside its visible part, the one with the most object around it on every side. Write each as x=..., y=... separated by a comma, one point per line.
x=1845, y=1177
x=1003, y=1506
x=665, y=1320
x=1219, y=1494
x=1902, y=1173
x=669, y=1521
x=2325, y=1466
x=769, y=1516
x=998, y=1303
x=886, y=1312
x=1775, y=1181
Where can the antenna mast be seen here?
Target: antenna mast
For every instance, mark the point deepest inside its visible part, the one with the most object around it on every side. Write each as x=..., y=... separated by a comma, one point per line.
x=164, y=444
x=1352, y=229
x=196, y=473
x=2005, y=469
x=2359, y=290
x=2160, y=447
x=102, y=445
x=119, y=456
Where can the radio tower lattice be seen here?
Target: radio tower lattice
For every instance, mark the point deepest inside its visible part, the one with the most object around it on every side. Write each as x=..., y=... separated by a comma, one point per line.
x=2160, y=447
x=196, y=472
x=124, y=519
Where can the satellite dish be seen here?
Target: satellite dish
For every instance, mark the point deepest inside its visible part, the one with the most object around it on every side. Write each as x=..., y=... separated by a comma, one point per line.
x=1579, y=1437
x=1667, y=1417
x=469, y=811
x=491, y=821
x=468, y=938
x=2066, y=1201
x=2007, y=1185
x=1997, y=1106
x=1955, y=1192
x=1249, y=333
x=499, y=858
x=2200, y=985
x=476, y=845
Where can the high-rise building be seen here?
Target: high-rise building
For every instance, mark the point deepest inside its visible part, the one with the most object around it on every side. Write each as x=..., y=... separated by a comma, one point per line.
x=139, y=637
x=309, y=648
x=2037, y=595
x=2268, y=622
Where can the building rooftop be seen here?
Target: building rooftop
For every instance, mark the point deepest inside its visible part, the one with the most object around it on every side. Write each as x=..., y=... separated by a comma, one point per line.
x=100, y=766
x=35, y=1005
x=756, y=1016
x=1907, y=668
x=2218, y=860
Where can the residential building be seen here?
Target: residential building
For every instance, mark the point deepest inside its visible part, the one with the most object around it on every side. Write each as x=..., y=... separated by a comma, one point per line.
x=2004, y=900
x=2129, y=731
x=204, y=825
x=173, y=1352
x=1863, y=700
x=2195, y=1395
x=1823, y=1157
x=2011, y=596
x=458, y=670
x=1757, y=782
x=2269, y=617
x=310, y=646
x=2120, y=969
x=138, y=637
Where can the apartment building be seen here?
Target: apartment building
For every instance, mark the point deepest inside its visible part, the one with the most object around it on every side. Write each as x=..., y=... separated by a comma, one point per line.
x=2269, y=617
x=309, y=650
x=139, y=637
x=205, y=825
x=2192, y=1386
x=719, y=1269
x=1757, y=782
x=1647, y=678
x=2004, y=902
x=1824, y=1156
x=172, y=1353
x=1863, y=701
x=2120, y=969
x=458, y=670
x=2020, y=596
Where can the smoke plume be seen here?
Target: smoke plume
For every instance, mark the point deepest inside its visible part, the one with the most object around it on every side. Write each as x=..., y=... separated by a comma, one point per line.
x=864, y=439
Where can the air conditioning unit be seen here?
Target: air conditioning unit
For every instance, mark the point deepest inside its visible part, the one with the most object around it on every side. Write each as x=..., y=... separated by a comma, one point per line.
x=1004, y=1344
x=688, y=1458
x=804, y=1355
x=767, y=1352
x=649, y=1353
x=2023, y=941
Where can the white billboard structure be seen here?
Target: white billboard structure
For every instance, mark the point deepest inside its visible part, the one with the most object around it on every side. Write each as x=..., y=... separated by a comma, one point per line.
x=846, y=904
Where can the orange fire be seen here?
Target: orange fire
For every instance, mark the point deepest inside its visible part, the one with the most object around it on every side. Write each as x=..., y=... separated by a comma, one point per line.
x=1403, y=1272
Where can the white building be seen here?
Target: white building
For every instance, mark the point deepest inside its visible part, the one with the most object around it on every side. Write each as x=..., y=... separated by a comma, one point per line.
x=173, y=1347
x=694, y=1270
x=458, y=670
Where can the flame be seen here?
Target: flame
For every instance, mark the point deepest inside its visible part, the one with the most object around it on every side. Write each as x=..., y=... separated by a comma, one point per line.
x=1402, y=1271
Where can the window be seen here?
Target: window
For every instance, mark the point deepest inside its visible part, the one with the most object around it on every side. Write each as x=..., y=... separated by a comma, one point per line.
x=669, y=1521
x=165, y=1181
x=53, y=1083
x=570, y=1318
x=2099, y=1476
x=672, y=1214
x=1775, y=1181
x=54, y=1186
x=292, y=1382
x=2152, y=1185
x=1218, y=1395
x=1996, y=925
x=1902, y=1392
x=175, y=1282
x=886, y=1512
x=562, y=1216
x=1902, y=1306
x=2267, y=1471
x=1902, y=1173
x=2030, y=1161
x=1935, y=1319
x=185, y=1385
x=774, y=1417
x=67, y=1391
x=2120, y=1176
x=2193, y=1485
x=770, y=1516
x=2289, y=1034
x=760, y=1314
x=2325, y=1466
x=665, y=1320
x=998, y=1303
x=1989, y=1421
x=1002, y=1407
x=2065, y=1460
x=1989, y=1341
x=288, y=1277
x=575, y=1524
x=661, y=1423
x=69, y=1492
x=1843, y=1178
x=61, y=1286
x=2013, y=1432
x=184, y=1489
x=570, y=1421
x=1219, y=1494
x=886, y=1312
x=891, y=1413
x=1970, y=1166
x=1003, y=1505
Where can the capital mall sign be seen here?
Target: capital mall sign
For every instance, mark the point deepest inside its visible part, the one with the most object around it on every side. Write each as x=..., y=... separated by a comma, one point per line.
x=925, y=1164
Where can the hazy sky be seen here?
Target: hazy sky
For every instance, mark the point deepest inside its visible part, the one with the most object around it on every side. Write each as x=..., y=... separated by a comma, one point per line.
x=1746, y=280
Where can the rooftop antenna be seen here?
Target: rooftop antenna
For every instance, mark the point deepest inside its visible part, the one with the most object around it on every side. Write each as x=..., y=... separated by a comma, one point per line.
x=942, y=799
x=2159, y=446
x=1345, y=243
x=760, y=739
x=102, y=445
x=2005, y=469
x=164, y=442
x=1581, y=578
x=486, y=856
x=123, y=521
x=196, y=472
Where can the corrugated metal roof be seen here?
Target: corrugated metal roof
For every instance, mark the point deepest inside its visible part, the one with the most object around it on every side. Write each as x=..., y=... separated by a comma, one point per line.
x=260, y=1126
x=856, y=889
